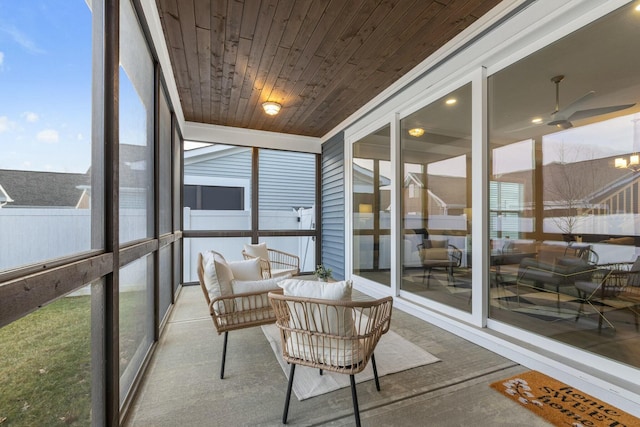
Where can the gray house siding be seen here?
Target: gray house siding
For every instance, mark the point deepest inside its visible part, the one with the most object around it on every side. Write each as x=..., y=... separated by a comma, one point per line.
x=233, y=165
x=333, y=224
x=297, y=170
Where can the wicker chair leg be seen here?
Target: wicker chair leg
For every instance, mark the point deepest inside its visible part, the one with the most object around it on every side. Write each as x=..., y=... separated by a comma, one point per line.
x=375, y=371
x=321, y=372
x=224, y=354
x=354, y=396
x=286, y=402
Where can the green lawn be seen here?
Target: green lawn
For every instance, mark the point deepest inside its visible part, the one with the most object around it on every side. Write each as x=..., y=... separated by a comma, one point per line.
x=45, y=360
x=45, y=366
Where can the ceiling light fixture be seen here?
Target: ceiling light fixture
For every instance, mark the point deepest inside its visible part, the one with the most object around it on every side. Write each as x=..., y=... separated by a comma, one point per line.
x=451, y=101
x=271, y=108
x=536, y=120
x=633, y=163
x=416, y=132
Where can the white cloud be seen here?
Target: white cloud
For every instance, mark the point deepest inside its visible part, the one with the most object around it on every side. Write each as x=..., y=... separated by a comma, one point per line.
x=22, y=39
x=6, y=124
x=48, y=135
x=1, y=59
x=80, y=137
x=30, y=117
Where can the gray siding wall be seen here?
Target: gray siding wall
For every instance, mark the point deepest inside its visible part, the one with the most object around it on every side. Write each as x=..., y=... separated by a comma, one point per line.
x=333, y=252
x=236, y=165
x=287, y=179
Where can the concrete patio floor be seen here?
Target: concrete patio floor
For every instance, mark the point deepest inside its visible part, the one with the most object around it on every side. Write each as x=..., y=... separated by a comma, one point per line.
x=183, y=387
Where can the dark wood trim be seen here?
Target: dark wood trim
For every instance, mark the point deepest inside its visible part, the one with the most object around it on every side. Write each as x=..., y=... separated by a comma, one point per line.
x=226, y=62
x=112, y=206
x=188, y=234
x=137, y=251
x=255, y=189
x=98, y=213
x=26, y=294
x=9, y=275
x=166, y=239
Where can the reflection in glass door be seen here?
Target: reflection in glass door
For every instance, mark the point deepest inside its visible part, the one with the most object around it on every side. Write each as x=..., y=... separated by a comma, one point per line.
x=564, y=192
x=372, y=207
x=436, y=200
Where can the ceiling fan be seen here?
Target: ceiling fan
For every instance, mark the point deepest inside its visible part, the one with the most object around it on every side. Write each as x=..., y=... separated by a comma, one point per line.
x=563, y=117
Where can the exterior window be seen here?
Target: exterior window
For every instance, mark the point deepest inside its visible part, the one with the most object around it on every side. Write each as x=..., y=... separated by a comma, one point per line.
x=214, y=198
x=436, y=202
x=564, y=189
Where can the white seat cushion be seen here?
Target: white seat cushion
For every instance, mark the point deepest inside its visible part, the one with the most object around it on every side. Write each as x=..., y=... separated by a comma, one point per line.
x=338, y=322
x=254, y=301
x=316, y=289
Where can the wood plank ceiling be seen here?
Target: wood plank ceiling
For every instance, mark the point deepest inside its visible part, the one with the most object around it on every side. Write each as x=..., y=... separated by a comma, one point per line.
x=321, y=59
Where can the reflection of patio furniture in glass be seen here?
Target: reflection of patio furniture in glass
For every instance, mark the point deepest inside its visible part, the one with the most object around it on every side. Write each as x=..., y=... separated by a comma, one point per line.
x=504, y=262
x=439, y=254
x=617, y=288
x=274, y=263
x=411, y=239
x=562, y=274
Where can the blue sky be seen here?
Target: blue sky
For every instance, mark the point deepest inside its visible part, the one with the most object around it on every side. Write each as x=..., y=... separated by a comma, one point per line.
x=45, y=85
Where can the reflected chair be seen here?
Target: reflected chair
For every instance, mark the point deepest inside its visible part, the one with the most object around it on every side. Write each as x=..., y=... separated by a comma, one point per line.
x=330, y=335
x=619, y=287
x=275, y=263
x=563, y=273
x=439, y=254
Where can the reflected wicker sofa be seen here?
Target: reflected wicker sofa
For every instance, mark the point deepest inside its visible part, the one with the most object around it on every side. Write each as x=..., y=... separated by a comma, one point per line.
x=556, y=267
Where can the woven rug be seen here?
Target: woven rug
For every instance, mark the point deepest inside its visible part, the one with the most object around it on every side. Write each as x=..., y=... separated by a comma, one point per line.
x=560, y=404
x=393, y=354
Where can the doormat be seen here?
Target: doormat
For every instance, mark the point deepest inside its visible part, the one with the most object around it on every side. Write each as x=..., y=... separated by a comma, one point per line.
x=560, y=404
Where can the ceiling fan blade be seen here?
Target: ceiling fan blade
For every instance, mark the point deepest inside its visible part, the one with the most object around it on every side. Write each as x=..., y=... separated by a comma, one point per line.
x=575, y=105
x=584, y=114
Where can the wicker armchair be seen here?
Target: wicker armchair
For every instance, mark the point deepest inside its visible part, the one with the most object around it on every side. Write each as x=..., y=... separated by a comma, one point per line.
x=238, y=310
x=274, y=262
x=335, y=336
